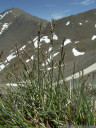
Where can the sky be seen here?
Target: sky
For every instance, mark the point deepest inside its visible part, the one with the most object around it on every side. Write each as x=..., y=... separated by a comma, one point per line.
x=48, y=9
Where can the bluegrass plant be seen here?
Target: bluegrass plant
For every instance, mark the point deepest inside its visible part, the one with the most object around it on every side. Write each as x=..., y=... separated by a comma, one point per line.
x=41, y=100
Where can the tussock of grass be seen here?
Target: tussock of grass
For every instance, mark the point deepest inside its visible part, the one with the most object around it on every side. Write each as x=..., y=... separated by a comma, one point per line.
x=42, y=100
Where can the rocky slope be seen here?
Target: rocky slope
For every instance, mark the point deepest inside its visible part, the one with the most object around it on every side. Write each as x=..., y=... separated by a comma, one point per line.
x=16, y=26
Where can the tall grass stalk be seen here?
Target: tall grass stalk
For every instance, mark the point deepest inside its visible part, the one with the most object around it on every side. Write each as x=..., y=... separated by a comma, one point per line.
x=51, y=57
x=39, y=33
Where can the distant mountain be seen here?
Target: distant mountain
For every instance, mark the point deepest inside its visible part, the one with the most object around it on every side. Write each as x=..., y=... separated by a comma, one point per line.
x=17, y=26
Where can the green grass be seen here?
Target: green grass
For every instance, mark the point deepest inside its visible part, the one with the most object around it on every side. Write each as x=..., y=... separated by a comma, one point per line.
x=43, y=101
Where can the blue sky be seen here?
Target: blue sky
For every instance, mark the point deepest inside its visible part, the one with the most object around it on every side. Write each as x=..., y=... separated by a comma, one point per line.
x=48, y=9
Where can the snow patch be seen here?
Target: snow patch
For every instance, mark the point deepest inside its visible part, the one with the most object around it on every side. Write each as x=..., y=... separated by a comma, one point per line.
x=11, y=50
x=5, y=26
x=49, y=59
x=10, y=57
x=94, y=37
x=80, y=23
x=27, y=60
x=29, y=42
x=67, y=41
x=2, y=66
x=86, y=21
x=44, y=38
x=76, y=42
x=95, y=25
x=43, y=64
x=50, y=49
x=50, y=68
x=47, y=62
x=76, y=53
x=55, y=37
x=35, y=42
x=22, y=48
x=2, y=16
x=35, y=38
x=55, y=54
x=32, y=57
x=68, y=23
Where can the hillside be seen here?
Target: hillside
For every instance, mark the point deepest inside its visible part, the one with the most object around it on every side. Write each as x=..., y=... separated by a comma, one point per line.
x=21, y=27
x=17, y=26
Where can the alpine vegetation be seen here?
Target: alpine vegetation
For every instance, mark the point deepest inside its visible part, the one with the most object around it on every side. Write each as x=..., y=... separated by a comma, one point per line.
x=47, y=70
x=44, y=98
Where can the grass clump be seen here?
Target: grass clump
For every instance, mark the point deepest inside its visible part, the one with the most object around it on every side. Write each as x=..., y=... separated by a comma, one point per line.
x=41, y=100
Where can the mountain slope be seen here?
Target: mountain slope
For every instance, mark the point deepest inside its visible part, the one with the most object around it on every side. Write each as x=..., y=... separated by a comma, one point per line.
x=79, y=46
x=21, y=27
